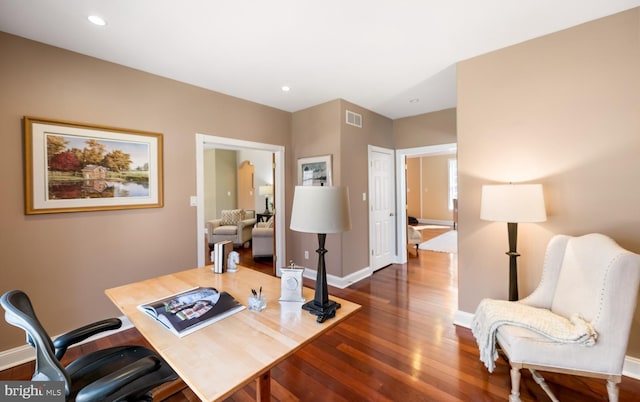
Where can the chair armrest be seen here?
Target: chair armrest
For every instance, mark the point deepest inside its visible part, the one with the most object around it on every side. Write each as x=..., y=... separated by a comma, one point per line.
x=62, y=342
x=246, y=222
x=214, y=223
x=261, y=232
x=211, y=225
x=105, y=386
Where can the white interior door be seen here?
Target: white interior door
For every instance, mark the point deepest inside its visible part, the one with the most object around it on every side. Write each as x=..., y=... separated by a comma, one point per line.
x=382, y=217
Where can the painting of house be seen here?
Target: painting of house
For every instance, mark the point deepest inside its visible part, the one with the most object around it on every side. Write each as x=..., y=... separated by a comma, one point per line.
x=94, y=172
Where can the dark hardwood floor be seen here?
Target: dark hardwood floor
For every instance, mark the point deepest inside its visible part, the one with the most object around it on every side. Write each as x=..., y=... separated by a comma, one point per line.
x=401, y=346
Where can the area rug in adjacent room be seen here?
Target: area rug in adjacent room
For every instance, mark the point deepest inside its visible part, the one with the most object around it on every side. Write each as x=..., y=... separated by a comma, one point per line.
x=445, y=243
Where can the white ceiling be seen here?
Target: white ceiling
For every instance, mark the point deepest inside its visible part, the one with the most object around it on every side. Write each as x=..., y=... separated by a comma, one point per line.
x=379, y=54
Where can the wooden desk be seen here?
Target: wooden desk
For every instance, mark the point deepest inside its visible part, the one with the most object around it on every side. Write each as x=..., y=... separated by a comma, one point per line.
x=219, y=359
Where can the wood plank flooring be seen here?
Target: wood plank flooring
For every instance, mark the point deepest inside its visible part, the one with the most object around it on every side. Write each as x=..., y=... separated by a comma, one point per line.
x=401, y=346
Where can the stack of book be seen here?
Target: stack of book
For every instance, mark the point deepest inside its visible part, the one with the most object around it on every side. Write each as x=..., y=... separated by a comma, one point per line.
x=220, y=255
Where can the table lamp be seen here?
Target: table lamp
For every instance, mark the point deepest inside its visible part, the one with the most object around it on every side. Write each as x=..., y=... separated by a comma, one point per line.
x=321, y=210
x=266, y=190
x=513, y=203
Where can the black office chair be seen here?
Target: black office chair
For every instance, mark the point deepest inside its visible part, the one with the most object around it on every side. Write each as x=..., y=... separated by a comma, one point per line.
x=123, y=373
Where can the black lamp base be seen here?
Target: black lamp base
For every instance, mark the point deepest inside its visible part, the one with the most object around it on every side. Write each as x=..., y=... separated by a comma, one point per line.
x=323, y=312
x=321, y=305
x=512, y=228
x=266, y=205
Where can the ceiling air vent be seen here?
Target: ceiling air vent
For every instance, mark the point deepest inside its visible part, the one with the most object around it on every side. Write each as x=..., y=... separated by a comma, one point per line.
x=354, y=119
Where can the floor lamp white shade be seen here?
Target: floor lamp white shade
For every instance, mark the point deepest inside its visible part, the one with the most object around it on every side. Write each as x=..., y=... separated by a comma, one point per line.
x=513, y=203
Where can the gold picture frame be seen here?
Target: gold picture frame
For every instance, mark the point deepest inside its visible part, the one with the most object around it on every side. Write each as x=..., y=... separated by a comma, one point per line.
x=77, y=167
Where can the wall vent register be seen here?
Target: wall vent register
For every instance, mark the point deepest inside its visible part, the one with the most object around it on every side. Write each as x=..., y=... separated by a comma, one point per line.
x=354, y=119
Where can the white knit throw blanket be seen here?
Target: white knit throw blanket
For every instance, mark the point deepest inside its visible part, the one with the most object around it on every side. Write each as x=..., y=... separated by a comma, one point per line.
x=493, y=313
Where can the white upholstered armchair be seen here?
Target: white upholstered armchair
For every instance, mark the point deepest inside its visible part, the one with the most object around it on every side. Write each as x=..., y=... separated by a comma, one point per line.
x=414, y=237
x=590, y=280
x=234, y=225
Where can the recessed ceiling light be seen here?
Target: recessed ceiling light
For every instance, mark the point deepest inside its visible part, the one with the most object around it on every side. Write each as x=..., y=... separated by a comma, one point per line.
x=286, y=88
x=414, y=100
x=97, y=20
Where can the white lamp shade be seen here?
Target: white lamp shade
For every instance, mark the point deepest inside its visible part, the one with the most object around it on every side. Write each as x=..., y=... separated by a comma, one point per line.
x=320, y=209
x=513, y=203
x=265, y=190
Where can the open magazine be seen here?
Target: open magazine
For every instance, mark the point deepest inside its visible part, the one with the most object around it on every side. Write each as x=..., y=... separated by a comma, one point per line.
x=190, y=310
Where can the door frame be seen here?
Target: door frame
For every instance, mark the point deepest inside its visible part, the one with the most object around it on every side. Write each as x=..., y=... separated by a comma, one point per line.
x=235, y=144
x=401, y=188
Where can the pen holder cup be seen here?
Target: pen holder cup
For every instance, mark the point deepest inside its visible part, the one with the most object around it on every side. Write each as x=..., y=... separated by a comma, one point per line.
x=257, y=303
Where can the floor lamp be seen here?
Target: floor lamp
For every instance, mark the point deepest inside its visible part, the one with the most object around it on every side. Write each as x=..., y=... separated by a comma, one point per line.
x=321, y=210
x=513, y=203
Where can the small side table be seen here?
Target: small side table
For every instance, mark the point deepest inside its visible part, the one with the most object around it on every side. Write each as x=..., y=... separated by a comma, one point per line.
x=263, y=217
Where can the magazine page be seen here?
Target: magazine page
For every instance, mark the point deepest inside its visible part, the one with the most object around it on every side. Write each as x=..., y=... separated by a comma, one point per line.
x=188, y=311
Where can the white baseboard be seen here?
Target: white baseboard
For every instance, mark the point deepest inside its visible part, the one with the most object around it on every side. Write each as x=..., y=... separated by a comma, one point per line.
x=435, y=222
x=340, y=282
x=631, y=366
x=462, y=319
x=25, y=353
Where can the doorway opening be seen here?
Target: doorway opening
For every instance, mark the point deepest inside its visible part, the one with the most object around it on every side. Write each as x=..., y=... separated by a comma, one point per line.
x=401, y=189
x=204, y=142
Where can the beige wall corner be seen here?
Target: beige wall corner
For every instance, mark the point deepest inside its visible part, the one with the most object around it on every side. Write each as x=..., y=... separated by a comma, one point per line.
x=561, y=110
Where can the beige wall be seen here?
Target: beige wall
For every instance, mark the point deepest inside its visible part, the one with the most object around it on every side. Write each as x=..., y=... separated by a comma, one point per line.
x=219, y=179
x=435, y=188
x=209, y=162
x=428, y=187
x=423, y=130
x=321, y=130
x=246, y=190
x=226, y=180
x=65, y=261
x=414, y=188
x=561, y=110
x=376, y=130
x=314, y=132
x=426, y=129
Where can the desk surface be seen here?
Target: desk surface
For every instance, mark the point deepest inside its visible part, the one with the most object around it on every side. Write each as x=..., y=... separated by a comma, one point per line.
x=221, y=358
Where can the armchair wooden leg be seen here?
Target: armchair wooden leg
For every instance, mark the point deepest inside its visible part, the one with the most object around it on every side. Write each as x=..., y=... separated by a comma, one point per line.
x=612, y=390
x=515, y=385
x=543, y=384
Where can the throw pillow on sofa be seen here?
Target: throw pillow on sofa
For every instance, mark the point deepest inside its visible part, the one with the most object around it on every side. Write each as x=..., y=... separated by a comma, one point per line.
x=269, y=223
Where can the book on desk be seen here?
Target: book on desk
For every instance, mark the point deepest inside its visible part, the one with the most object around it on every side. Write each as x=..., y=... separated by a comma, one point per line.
x=220, y=255
x=188, y=311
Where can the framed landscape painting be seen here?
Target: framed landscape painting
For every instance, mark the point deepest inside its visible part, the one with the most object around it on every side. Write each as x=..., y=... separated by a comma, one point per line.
x=73, y=167
x=314, y=171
